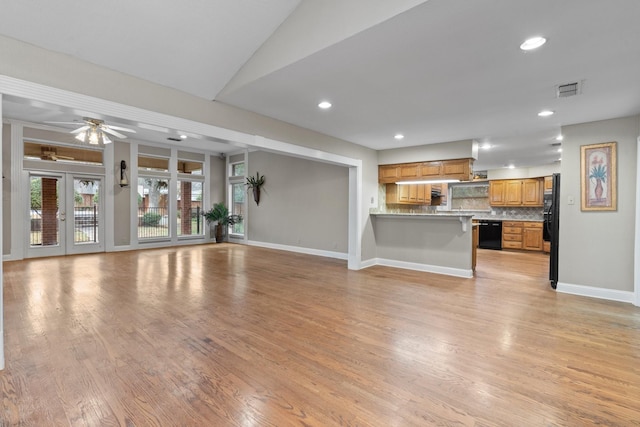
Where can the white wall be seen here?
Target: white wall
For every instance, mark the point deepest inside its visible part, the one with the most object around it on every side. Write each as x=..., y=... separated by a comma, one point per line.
x=597, y=248
x=520, y=173
x=6, y=189
x=423, y=153
x=303, y=203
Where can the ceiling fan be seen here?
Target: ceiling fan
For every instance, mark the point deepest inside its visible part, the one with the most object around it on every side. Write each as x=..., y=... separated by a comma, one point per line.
x=94, y=131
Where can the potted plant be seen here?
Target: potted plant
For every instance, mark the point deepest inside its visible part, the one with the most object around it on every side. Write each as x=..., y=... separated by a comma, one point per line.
x=254, y=183
x=219, y=214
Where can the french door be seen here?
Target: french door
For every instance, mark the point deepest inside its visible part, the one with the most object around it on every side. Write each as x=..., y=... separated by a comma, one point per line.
x=65, y=214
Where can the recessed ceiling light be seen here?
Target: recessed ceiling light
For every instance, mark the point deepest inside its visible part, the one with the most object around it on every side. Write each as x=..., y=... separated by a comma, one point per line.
x=486, y=146
x=511, y=167
x=399, y=136
x=183, y=136
x=533, y=43
x=559, y=138
x=324, y=105
x=546, y=113
x=560, y=150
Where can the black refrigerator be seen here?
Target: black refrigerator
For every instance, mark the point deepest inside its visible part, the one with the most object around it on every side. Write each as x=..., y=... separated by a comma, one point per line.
x=552, y=227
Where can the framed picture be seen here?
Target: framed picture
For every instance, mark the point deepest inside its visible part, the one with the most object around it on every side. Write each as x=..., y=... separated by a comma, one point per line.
x=598, y=176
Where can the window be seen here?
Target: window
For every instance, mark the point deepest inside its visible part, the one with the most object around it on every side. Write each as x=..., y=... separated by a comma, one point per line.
x=155, y=164
x=237, y=207
x=153, y=219
x=237, y=197
x=61, y=153
x=190, y=220
x=237, y=169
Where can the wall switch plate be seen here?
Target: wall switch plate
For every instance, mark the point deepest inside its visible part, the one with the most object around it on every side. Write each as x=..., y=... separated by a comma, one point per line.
x=570, y=200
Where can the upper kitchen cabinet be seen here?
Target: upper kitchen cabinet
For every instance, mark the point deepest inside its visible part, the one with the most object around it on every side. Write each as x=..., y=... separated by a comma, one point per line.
x=388, y=173
x=408, y=194
x=460, y=169
x=548, y=184
x=532, y=192
x=516, y=192
x=497, y=192
x=410, y=171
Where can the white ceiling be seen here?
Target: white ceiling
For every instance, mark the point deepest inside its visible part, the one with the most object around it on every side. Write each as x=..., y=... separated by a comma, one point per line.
x=436, y=71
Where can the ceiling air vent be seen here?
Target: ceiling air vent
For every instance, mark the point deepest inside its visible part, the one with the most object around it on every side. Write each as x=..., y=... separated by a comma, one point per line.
x=569, y=89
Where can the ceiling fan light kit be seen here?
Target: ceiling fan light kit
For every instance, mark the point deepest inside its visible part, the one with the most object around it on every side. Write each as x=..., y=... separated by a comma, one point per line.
x=94, y=131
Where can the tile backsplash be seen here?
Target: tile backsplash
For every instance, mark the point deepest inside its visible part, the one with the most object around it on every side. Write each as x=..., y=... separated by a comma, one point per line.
x=468, y=200
x=534, y=214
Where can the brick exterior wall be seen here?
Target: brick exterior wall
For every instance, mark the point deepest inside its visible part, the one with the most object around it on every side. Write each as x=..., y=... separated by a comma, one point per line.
x=49, y=211
x=185, y=207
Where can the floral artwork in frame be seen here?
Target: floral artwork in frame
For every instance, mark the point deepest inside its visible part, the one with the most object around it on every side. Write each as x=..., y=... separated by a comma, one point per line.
x=598, y=175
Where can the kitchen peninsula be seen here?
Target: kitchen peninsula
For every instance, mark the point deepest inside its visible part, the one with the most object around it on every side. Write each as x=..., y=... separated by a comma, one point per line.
x=436, y=243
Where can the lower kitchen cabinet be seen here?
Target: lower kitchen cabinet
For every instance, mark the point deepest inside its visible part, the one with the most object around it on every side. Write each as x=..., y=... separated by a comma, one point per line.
x=525, y=235
x=511, y=235
x=532, y=236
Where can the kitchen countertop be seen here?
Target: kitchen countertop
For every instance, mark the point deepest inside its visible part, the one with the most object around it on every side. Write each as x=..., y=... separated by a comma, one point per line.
x=424, y=215
x=494, y=218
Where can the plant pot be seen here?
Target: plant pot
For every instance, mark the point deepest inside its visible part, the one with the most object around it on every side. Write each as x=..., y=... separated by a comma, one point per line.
x=256, y=195
x=219, y=233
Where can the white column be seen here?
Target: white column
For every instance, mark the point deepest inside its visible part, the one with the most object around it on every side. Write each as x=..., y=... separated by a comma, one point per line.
x=636, y=255
x=1, y=266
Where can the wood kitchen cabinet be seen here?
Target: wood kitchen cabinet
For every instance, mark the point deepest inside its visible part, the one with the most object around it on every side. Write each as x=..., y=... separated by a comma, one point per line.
x=532, y=192
x=410, y=171
x=513, y=192
x=548, y=184
x=516, y=192
x=460, y=169
x=388, y=173
x=497, y=193
x=512, y=234
x=431, y=170
x=525, y=235
x=411, y=194
x=532, y=236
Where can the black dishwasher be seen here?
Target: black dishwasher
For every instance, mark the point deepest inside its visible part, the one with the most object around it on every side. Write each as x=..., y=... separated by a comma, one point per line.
x=490, y=234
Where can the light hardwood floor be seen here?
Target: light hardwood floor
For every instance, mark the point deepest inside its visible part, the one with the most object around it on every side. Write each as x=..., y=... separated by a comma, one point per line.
x=229, y=335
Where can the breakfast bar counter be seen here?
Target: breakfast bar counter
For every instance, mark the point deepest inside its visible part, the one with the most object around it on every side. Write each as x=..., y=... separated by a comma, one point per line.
x=437, y=243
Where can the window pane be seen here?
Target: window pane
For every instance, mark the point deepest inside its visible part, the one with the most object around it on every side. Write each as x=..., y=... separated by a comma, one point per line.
x=237, y=169
x=237, y=207
x=153, y=164
x=190, y=167
x=152, y=208
x=44, y=211
x=190, y=220
x=61, y=153
x=85, y=210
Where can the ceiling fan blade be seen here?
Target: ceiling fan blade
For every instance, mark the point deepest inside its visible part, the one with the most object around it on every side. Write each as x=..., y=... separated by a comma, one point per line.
x=113, y=132
x=118, y=128
x=80, y=129
x=64, y=123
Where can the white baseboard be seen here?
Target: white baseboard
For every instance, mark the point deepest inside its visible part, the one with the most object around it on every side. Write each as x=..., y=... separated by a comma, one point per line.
x=368, y=263
x=298, y=249
x=122, y=248
x=448, y=271
x=593, y=292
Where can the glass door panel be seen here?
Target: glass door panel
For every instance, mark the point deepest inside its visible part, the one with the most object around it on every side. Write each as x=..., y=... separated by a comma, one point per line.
x=85, y=228
x=46, y=219
x=65, y=215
